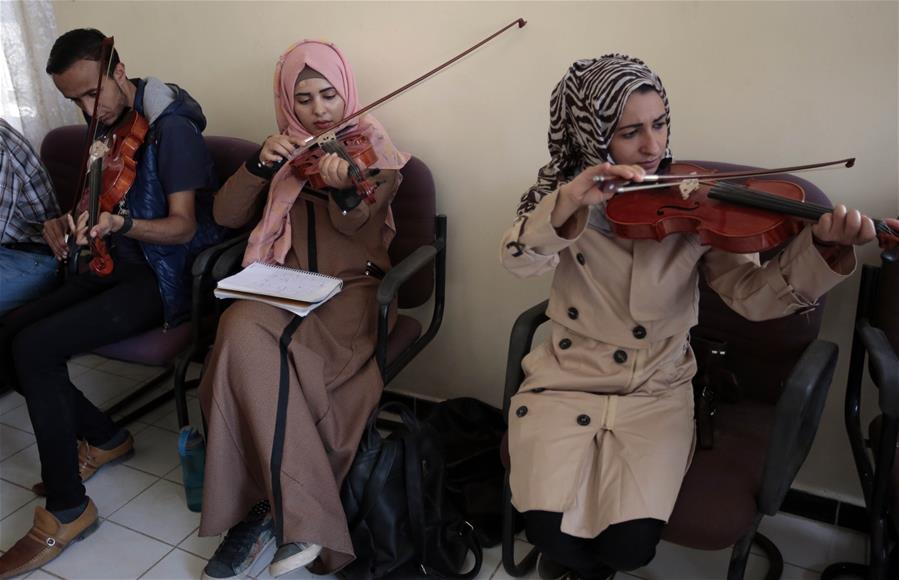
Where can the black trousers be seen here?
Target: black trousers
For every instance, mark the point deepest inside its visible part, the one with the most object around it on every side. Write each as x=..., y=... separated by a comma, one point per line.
x=36, y=342
x=624, y=546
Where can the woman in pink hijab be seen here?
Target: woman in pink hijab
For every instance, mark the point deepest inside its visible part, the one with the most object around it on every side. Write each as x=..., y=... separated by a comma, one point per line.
x=286, y=398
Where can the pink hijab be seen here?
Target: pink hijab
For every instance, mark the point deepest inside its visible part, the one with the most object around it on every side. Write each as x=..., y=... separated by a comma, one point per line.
x=271, y=239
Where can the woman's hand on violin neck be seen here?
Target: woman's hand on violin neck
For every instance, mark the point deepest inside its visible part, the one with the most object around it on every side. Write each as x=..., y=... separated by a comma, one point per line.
x=843, y=226
x=278, y=148
x=335, y=171
x=583, y=191
x=54, y=233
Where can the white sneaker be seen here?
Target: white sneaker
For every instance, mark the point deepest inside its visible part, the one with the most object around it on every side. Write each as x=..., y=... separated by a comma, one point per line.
x=289, y=557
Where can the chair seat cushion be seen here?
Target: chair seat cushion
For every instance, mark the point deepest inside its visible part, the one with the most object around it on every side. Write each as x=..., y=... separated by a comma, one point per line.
x=154, y=347
x=405, y=332
x=158, y=348
x=723, y=483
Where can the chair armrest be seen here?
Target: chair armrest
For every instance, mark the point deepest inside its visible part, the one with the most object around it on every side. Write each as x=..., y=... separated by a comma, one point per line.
x=389, y=287
x=883, y=364
x=796, y=421
x=205, y=260
x=229, y=261
x=520, y=341
x=399, y=274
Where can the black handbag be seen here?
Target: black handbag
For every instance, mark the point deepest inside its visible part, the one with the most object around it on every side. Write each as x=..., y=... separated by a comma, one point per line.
x=401, y=524
x=472, y=432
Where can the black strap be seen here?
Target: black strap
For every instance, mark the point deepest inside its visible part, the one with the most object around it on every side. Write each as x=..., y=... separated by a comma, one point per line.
x=313, y=248
x=377, y=479
x=415, y=493
x=281, y=426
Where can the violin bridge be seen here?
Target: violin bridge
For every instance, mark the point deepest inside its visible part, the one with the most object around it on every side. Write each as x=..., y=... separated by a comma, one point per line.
x=687, y=187
x=98, y=150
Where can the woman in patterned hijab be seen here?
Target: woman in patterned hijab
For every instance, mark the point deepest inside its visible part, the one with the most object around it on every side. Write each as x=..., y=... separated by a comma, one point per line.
x=602, y=431
x=585, y=108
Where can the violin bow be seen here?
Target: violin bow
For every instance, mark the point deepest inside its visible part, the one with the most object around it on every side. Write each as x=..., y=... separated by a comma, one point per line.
x=521, y=22
x=659, y=181
x=88, y=157
x=105, y=67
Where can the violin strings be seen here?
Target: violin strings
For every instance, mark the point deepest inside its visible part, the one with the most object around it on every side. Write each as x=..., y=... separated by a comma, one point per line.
x=334, y=147
x=739, y=194
x=733, y=193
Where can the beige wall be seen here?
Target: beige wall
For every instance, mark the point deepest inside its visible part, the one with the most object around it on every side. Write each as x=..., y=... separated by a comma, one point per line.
x=755, y=83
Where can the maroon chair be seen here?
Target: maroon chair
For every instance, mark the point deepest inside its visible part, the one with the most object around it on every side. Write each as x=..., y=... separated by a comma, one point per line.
x=760, y=442
x=419, y=273
x=60, y=152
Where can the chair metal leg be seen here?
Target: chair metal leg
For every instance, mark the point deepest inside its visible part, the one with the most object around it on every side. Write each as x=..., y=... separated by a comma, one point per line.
x=740, y=555
x=139, y=394
x=179, y=389
x=527, y=563
x=775, y=558
x=843, y=569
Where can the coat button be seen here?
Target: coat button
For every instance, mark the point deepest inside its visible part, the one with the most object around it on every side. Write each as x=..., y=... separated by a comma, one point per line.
x=565, y=343
x=581, y=259
x=521, y=411
x=572, y=313
x=583, y=420
x=639, y=332
x=620, y=356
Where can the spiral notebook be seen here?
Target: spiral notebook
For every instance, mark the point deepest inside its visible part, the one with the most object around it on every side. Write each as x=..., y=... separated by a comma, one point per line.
x=298, y=291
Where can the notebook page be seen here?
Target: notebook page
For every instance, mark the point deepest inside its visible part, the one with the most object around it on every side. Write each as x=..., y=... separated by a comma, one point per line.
x=282, y=282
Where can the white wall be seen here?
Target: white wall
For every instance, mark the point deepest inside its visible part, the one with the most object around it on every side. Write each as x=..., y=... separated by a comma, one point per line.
x=756, y=83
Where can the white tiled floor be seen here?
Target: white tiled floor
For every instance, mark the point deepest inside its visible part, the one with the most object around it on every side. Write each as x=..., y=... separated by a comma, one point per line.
x=147, y=531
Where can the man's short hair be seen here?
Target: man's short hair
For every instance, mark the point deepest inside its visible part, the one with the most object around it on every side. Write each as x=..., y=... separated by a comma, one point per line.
x=75, y=45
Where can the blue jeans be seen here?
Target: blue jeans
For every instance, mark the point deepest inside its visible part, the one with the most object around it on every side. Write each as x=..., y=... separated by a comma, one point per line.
x=23, y=277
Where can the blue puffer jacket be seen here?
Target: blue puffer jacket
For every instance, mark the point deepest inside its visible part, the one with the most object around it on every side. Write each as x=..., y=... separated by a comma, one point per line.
x=147, y=200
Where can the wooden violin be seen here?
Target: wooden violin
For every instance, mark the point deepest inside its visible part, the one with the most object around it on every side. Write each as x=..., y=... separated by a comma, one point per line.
x=755, y=216
x=109, y=169
x=353, y=147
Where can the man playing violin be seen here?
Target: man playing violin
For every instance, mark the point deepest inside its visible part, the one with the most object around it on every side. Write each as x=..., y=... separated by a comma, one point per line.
x=27, y=200
x=153, y=234
x=601, y=431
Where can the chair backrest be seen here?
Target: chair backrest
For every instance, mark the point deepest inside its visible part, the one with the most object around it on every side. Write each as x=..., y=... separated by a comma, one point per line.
x=779, y=343
x=62, y=148
x=414, y=210
x=61, y=152
x=228, y=154
x=885, y=309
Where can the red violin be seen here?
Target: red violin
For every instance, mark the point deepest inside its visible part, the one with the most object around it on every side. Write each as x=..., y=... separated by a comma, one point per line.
x=353, y=147
x=755, y=216
x=111, y=175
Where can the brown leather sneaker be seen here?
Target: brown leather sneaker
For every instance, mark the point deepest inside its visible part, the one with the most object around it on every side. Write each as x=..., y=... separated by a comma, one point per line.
x=91, y=458
x=46, y=540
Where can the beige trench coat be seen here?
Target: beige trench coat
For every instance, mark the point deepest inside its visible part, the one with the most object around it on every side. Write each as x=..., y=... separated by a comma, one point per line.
x=602, y=427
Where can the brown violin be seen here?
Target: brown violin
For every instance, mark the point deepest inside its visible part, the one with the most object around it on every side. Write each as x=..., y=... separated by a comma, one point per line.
x=353, y=147
x=754, y=216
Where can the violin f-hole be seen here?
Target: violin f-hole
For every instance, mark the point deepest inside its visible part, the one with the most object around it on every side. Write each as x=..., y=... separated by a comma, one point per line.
x=661, y=211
